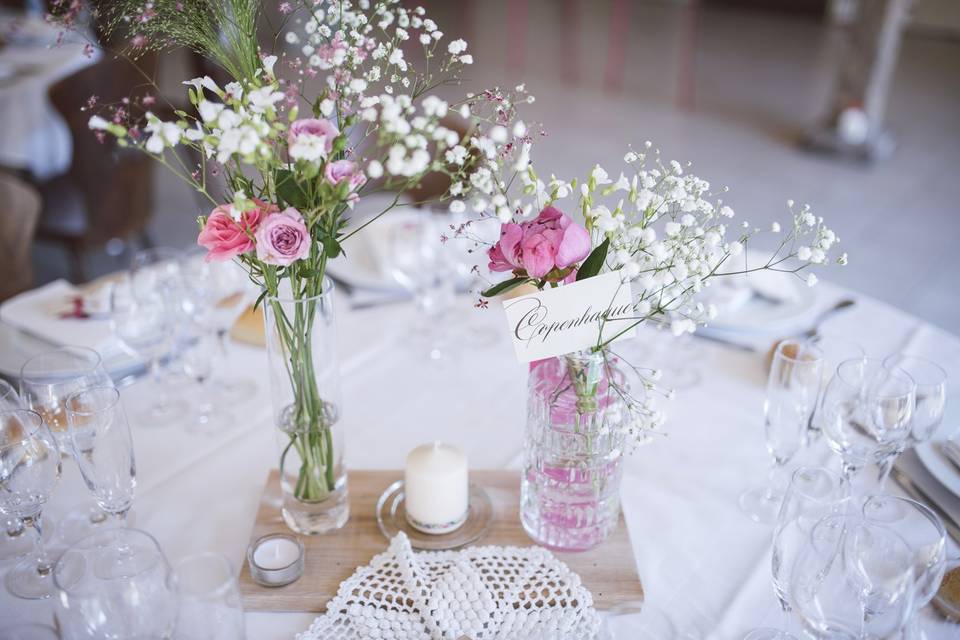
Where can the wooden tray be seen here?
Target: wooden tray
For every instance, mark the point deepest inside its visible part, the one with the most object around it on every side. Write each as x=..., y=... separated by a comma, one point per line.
x=609, y=571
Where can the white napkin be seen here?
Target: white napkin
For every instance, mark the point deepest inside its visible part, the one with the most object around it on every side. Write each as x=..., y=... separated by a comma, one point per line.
x=37, y=312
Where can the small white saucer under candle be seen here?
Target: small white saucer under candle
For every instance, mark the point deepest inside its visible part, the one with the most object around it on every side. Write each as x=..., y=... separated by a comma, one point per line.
x=276, y=560
x=436, y=488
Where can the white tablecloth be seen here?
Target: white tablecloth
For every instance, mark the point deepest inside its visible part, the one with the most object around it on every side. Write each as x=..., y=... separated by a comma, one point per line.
x=703, y=564
x=34, y=136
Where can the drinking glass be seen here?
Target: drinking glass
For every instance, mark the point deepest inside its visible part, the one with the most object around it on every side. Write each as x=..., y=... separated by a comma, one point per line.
x=924, y=533
x=29, y=471
x=147, y=322
x=418, y=262
x=103, y=448
x=210, y=602
x=13, y=543
x=834, y=350
x=9, y=398
x=115, y=583
x=792, y=389
x=931, y=381
x=219, y=293
x=211, y=414
x=853, y=579
x=813, y=494
x=868, y=409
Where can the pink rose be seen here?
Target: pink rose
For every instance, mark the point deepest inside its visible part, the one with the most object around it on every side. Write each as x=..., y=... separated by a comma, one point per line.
x=551, y=240
x=226, y=238
x=300, y=129
x=282, y=238
x=344, y=170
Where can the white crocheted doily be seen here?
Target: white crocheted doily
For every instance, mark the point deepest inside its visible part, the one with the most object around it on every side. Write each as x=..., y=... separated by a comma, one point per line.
x=484, y=593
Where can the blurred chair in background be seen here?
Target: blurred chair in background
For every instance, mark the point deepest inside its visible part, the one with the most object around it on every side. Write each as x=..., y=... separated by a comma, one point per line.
x=18, y=222
x=853, y=122
x=106, y=198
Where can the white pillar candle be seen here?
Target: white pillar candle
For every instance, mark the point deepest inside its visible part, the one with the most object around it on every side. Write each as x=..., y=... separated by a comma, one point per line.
x=436, y=488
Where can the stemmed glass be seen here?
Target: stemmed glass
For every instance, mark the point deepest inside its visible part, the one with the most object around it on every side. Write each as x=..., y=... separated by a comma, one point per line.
x=29, y=471
x=835, y=351
x=210, y=602
x=147, y=319
x=868, y=409
x=853, y=579
x=115, y=583
x=813, y=494
x=210, y=416
x=924, y=533
x=100, y=440
x=219, y=292
x=931, y=381
x=792, y=389
x=13, y=543
x=46, y=381
x=418, y=262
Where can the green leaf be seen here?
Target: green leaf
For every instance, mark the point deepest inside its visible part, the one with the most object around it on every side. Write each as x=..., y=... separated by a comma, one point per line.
x=331, y=246
x=594, y=262
x=504, y=286
x=289, y=191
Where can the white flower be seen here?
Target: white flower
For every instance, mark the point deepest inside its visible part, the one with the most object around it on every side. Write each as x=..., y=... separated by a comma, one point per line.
x=498, y=134
x=268, y=64
x=467, y=59
x=726, y=212
x=457, y=206
x=434, y=107
x=457, y=155
x=291, y=37
x=842, y=260
x=811, y=279
x=775, y=227
x=264, y=98
x=164, y=134
x=425, y=38
x=309, y=148
x=630, y=157
x=735, y=248
x=374, y=169
x=671, y=228
x=457, y=47
x=97, y=123
x=804, y=253
x=599, y=175
x=209, y=111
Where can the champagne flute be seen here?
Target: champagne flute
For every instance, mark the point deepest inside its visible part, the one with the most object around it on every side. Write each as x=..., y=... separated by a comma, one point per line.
x=29, y=471
x=103, y=448
x=792, y=389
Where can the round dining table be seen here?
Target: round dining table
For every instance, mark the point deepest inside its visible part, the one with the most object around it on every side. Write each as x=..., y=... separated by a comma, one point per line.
x=705, y=567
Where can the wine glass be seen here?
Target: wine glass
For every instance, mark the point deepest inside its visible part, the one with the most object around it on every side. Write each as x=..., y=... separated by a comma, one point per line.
x=115, y=583
x=210, y=602
x=13, y=543
x=29, y=471
x=219, y=293
x=867, y=412
x=931, y=381
x=853, y=579
x=210, y=416
x=834, y=350
x=147, y=321
x=924, y=533
x=100, y=440
x=792, y=389
x=9, y=398
x=418, y=262
x=813, y=494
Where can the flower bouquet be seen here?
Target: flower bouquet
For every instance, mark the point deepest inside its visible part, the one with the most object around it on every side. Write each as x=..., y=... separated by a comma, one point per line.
x=343, y=108
x=667, y=236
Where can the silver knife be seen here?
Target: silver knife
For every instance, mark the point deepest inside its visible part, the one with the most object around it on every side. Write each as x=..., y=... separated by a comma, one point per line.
x=914, y=491
x=950, y=451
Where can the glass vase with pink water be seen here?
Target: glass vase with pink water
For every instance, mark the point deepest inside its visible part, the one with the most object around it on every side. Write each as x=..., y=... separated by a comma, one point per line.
x=573, y=447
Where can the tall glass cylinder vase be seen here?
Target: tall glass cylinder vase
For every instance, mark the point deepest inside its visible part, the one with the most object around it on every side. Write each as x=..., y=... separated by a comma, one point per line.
x=305, y=382
x=573, y=448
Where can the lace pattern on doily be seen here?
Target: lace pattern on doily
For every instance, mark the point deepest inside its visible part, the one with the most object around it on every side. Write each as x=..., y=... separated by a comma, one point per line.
x=484, y=593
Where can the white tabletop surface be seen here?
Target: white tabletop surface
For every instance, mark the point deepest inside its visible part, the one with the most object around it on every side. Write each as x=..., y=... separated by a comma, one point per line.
x=703, y=564
x=34, y=136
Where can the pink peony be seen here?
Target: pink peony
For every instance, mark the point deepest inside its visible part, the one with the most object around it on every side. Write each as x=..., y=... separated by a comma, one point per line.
x=226, y=238
x=282, y=238
x=551, y=240
x=301, y=131
x=345, y=170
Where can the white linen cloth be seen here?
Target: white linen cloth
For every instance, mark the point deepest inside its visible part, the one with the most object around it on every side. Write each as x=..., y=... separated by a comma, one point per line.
x=705, y=567
x=37, y=312
x=34, y=136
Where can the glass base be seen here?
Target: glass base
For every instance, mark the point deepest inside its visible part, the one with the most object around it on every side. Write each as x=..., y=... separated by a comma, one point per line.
x=392, y=519
x=162, y=415
x=232, y=391
x=314, y=518
x=24, y=581
x=766, y=633
x=761, y=505
x=80, y=523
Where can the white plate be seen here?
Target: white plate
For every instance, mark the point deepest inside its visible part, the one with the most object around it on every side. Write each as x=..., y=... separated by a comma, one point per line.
x=16, y=347
x=939, y=467
x=773, y=301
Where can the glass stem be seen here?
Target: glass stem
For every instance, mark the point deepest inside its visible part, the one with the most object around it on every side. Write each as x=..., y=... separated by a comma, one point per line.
x=771, y=479
x=15, y=529
x=156, y=373
x=44, y=565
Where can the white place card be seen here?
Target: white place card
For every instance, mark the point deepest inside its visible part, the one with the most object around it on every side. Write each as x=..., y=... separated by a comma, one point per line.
x=570, y=317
